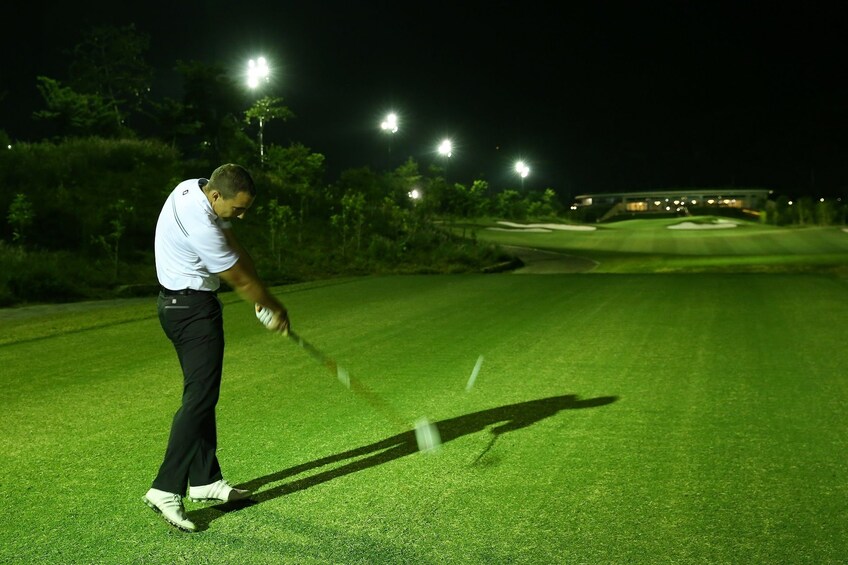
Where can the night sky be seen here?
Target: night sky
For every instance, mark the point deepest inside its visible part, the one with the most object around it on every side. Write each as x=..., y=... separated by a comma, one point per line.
x=594, y=96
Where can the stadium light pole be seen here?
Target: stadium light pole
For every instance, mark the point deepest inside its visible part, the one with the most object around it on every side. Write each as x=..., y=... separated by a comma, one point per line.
x=257, y=73
x=390, y=126
x=445, y=149
x=523, y=170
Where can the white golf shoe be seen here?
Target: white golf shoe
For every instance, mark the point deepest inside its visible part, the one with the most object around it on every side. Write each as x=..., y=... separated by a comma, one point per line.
x=170, y=506
x=219, y=491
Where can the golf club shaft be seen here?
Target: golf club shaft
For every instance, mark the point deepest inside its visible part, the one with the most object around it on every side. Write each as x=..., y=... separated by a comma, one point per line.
x=356, y=386
x=314, y=351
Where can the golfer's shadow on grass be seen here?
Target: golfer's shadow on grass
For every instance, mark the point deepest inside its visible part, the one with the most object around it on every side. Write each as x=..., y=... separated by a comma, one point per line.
x=509, y=418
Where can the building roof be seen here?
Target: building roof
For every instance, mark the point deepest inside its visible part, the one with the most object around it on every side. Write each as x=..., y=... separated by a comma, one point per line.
x=725, y=191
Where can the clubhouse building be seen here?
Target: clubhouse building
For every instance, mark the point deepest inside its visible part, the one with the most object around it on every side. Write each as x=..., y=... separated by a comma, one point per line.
x=674, y=201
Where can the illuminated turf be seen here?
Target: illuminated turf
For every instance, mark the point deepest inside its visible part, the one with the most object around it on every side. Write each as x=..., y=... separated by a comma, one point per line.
x=617, y=419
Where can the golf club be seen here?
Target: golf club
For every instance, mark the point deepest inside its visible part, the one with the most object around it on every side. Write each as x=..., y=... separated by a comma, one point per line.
x=426, y=434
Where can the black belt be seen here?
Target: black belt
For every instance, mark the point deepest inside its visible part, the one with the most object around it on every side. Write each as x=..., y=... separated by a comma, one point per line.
x=184, y=292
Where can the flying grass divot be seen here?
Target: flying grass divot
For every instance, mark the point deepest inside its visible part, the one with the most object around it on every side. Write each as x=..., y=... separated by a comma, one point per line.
x=474, y=374
x=468, y=386
x=426, y=434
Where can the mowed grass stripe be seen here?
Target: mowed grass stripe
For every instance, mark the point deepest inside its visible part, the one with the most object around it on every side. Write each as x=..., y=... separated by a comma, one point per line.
x=720, y=439
x=694, y=388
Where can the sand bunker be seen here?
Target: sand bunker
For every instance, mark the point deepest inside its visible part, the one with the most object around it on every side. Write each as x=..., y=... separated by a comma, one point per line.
x=719, y=224
x=541, y=228
x=523, y=230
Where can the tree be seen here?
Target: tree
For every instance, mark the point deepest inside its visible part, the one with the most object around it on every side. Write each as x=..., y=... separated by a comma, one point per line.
x=804, y=210
x=74, y=113
x=173, y=121
x=544, y=204
x=20, y=217
x=278, y=217
x=211, y=102
x=476, y=199
x=298, y=169
x=109, y=62
x=401, y=181
x=466, y=201
x=121, y=211
x=509, y=204
x=263, y=111
x=351, y=219
x=825, y=212
x=769, y=214
x=783, y=212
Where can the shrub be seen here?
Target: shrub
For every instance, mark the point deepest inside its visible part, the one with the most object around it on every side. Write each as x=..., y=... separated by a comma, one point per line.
x=73, y=183
x=43, y=285
x=45, y=276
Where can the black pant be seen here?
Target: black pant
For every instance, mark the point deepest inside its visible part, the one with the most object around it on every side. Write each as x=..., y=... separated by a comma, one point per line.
x=194, y=324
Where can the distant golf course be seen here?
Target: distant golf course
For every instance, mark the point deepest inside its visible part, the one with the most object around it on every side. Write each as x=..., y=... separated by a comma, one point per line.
x=699, y=244
x=681, y=397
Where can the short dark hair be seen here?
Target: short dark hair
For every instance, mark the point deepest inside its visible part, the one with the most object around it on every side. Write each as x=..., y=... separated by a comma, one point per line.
x=230, y=179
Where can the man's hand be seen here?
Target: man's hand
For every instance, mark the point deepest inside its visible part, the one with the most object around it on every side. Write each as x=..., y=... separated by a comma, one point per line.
x=274, y=321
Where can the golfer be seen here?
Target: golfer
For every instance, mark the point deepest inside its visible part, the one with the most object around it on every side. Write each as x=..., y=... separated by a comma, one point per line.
x=195, y=247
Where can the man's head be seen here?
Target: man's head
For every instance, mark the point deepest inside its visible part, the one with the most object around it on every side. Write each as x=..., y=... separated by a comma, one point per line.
x=230, y=191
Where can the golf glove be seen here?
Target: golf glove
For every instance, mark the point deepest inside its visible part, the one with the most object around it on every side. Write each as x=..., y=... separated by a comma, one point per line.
x=267, y=318
x=264, y=315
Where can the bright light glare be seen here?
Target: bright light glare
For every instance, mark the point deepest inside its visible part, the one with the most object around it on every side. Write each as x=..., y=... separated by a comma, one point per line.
x=446, y=148
x=522, y=169
x=415, y=194
x=390, y=124
x=257, y=70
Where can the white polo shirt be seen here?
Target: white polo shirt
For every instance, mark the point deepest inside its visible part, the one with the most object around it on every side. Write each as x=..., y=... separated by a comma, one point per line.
x=190, y=245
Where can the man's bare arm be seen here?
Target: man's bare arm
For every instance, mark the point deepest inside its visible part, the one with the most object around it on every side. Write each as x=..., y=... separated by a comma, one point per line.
x=243, y=278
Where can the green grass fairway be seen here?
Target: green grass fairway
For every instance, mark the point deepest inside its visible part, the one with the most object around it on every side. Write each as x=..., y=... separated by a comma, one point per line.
x=649, y=245
x=617, y=418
